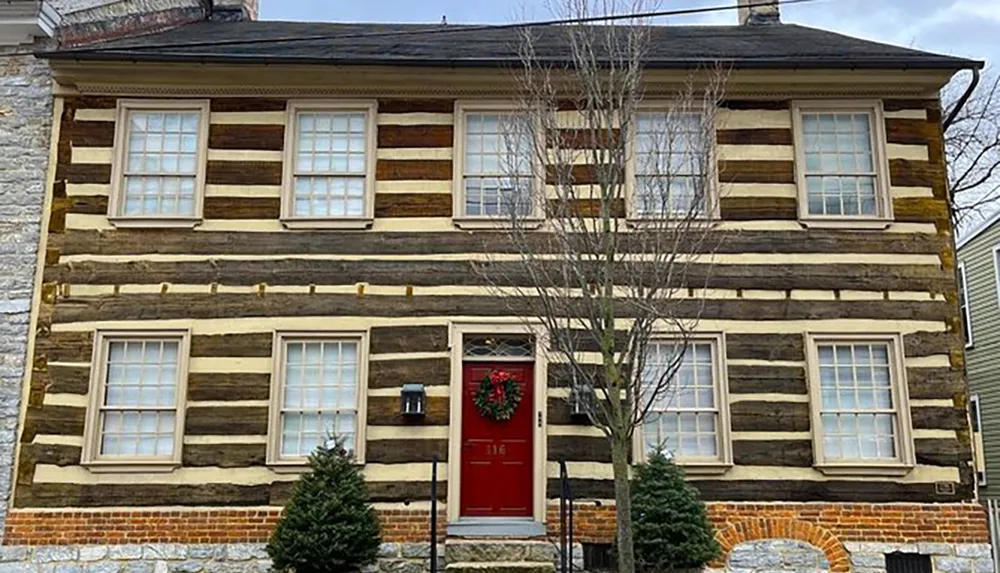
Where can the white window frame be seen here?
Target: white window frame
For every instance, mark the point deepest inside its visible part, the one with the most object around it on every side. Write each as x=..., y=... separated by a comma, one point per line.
x=460, y=219
x=996, y=272
x=294, y=108
x=905, y=459
x=713, y=204
x=966, y=308
x=116, y=200
x=91, y=456
x=298, y=464
x=883, y=197
x=702, y=465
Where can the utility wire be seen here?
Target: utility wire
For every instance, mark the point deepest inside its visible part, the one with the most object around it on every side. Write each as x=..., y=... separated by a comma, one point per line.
x=448, y=28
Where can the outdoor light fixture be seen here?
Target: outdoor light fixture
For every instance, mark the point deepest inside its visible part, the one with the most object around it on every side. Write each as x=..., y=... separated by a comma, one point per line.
x=581, y=399
x=414, y=400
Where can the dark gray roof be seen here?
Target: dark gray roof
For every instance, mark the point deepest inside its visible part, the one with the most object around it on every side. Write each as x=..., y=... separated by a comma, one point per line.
x=765, y=46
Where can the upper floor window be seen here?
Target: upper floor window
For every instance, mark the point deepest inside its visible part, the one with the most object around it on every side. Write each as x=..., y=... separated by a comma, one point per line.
x=137, y=399
x=689, y=413
x=841, y=162
x=329, y=178
x=963, y=304
x=671, y=168
x=860, y=407
x=159, y=170
x=496, y=179
x=317, y=394
x=979, y=456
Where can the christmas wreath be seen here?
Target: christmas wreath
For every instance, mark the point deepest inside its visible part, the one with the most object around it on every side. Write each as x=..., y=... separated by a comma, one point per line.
x=497, y=396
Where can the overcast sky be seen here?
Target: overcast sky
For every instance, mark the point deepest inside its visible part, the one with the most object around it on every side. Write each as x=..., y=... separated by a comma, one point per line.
x=968, y=28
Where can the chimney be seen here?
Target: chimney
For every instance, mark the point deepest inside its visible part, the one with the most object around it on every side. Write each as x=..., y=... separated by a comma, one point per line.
x=234, y=10
x=759, y=12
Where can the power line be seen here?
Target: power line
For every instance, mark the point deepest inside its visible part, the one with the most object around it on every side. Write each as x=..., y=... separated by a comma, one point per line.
x=445, y=29
x=450, y=29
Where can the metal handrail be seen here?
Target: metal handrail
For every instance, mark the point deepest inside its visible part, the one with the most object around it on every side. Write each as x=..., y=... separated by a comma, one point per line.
x=565, y=520
x=434, y=497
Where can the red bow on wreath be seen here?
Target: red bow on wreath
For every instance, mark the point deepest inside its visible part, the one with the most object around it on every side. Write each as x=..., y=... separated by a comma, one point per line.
x=498, y=395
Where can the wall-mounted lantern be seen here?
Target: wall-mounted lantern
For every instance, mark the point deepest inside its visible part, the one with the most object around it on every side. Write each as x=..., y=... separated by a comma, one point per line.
x=581, y=401
x=413, y=400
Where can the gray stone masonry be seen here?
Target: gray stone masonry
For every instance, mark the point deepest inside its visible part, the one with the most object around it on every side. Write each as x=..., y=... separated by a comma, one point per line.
x=777, y=555
x=945, y=557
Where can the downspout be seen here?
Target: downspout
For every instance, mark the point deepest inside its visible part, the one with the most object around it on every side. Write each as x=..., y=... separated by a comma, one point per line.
x=963, y=100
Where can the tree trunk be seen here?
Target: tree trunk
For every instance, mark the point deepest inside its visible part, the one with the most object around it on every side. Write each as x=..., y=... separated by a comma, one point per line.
x=623, y=503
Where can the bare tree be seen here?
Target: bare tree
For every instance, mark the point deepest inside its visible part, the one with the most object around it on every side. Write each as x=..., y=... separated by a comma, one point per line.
x=608, y=209
x=972, y=148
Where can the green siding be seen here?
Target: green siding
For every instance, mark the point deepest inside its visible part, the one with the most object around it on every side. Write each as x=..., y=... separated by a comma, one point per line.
x=983, y=357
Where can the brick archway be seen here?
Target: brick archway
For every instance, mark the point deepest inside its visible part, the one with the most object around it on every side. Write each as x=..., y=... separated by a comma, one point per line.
x=735, y=532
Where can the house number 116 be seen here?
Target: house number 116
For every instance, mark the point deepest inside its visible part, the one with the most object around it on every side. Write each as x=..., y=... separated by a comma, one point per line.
x=496, y=449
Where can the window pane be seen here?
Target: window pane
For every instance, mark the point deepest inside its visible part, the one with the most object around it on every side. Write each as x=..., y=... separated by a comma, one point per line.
x=499, y=152
x=671, y=159
x=320, y=394
x=161, y=164
x=684, y=417
x=839, y=164
x=330, y=164
x=856, y=402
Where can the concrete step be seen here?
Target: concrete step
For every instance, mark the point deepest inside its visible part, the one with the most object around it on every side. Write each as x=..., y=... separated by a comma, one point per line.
x=501, y=567
x=499, y=551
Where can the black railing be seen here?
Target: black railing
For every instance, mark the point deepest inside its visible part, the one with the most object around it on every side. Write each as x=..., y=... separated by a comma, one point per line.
x=565, y=521
x=434, y=513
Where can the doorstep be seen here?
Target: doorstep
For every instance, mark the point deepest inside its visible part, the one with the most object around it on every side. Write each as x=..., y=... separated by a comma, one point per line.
x=496, y=527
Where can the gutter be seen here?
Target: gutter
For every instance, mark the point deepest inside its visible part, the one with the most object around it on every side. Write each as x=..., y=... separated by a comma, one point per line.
x=962, y=101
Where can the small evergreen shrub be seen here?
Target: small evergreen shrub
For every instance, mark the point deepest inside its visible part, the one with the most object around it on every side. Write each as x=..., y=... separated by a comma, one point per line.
x=671, y=528
x=329, y=526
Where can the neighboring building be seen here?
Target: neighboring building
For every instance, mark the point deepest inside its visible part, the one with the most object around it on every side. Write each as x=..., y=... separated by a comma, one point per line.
x=191, y=316
x=979, y=284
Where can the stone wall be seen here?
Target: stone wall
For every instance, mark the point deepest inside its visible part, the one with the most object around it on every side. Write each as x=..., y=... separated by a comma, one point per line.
x=777, y=555
x=25, y=127
x=945, y=557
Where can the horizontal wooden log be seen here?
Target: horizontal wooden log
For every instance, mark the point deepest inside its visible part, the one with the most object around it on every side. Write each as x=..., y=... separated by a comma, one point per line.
x=241, y=137
x=902, y=104
x=585, y=139
x=756, y=136
x=231, y=104
x=404, y=339
x=85, y=173
x=767, y=379
x=412, y=205
x=61, y=379
x=51, y=454
x=583, y=174
x=561, y=374
x=763, y=346
x=243, y=345
x=89, y=133
x=559, y=414
x=55, y=420
x=199, y=306
x=415, y=136
x=88, y=204
x=384, y=492
x=769, y=416
x=947, y=452
x=135, y=242
x=395, y=373
x=911, y=131
x=243, y=173
x=226, y=421
x=90, y=102
x=757, y=171
x=584, y=208
x=579, y=449
x=385, y=411
x=141, y=495
x=848, y=491
x=907, y=173
x=935, y=383
x=758, y=209
x=442, y=105
x=294, y=271
x=919, y=344
x=939, y=418
x=749, y=105
x=242, y=207
x=787, y=453
x=65, y=346
x=413, y=170
x=224, y=455
x=228, y=386
x=405, y=451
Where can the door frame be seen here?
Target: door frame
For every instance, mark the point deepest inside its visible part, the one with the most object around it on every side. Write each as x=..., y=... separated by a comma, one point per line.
x=456, y=335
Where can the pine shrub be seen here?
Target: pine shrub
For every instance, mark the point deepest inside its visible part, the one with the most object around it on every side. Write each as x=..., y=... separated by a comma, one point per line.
x=671, y=527
x=328, y=526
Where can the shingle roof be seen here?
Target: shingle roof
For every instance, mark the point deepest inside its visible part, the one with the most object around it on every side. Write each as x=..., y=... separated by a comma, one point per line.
x=773, y=46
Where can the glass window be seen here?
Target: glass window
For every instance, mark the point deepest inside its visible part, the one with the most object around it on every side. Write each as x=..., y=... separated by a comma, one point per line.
x=963, y=305
x=858, y=411
x=138, y=412
x=840, y=166
x=685, y=416
x=161, y=163
x=671, y=164
x=498, y=178
x=319, y=395
x=330, y=165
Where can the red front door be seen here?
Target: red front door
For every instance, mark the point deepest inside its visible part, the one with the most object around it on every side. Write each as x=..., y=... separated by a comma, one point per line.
x=497, y=455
